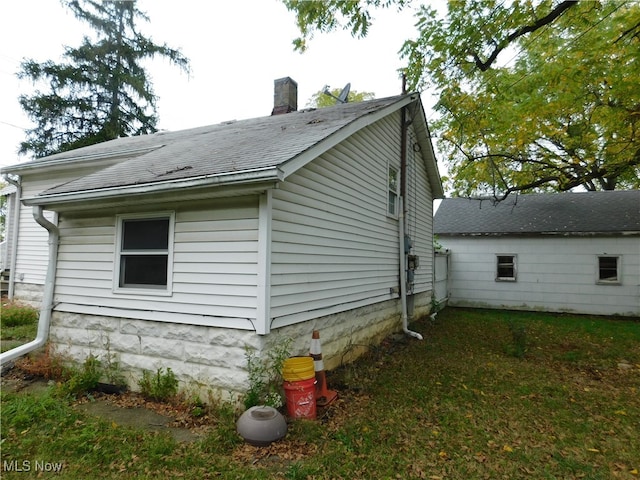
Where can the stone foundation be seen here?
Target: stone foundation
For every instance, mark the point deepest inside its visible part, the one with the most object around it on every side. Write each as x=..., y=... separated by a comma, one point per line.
x=28, y=293
x=210, y=360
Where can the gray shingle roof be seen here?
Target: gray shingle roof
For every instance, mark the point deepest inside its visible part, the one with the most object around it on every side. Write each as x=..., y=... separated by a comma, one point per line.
x=229, y=147
x=560, y=213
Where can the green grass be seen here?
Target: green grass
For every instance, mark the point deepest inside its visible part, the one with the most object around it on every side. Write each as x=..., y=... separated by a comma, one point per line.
x=561, y=399
x=18, y=324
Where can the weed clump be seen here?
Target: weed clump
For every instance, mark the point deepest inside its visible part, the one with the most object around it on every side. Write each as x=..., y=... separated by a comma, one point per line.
x=265, y=376
x=44, y=364
x=84, y=379
x=159, y=386
x=15, y=314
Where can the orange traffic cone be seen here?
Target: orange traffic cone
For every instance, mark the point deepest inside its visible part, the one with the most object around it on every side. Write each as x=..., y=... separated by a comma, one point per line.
x=323, y=396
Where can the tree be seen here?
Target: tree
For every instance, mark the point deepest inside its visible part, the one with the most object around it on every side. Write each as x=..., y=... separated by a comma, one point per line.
x=101, y=92
x=320, y=99
x=562, y=113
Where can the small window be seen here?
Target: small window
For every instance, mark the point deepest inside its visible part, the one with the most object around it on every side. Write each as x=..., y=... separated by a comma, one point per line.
x=506, y=268
x=392, y=207
x=144, y=252
x=609, y=269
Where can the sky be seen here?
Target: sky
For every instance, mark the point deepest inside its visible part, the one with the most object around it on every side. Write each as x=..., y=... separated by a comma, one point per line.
x=237, y=48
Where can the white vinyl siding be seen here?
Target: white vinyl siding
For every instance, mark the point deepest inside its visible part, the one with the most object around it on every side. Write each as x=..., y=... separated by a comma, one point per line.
x=214, y=268
x=419, y=216
x=554, y=274
x=334, y=247
x=32, y=252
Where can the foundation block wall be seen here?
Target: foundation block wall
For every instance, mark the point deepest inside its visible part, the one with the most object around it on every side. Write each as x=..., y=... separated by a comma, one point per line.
x=28, y=293
x=212, y=360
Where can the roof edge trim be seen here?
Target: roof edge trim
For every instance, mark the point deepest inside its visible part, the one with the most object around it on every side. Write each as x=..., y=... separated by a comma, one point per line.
x=295, y=163
x=247, y=176
x=38, y=164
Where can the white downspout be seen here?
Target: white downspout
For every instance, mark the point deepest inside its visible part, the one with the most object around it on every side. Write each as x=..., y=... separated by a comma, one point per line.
x=403, y=274
x=14, y=240
x=47, y=297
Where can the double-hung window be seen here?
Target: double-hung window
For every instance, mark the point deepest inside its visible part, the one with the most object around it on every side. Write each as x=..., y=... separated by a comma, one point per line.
x=609, y=269
x=506, y=268
x=393, y=183
x=144, y=252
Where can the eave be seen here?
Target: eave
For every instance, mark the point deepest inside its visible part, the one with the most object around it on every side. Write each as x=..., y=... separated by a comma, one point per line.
x=209, y=186
x=69, y=162
x=629, y=233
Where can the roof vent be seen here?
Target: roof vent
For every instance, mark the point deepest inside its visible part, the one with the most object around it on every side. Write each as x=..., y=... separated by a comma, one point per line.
x=285, y=96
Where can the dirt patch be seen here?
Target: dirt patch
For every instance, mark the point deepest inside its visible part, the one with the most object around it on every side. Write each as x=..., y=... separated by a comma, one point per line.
x=137, y=417
x=16, y=382
x=127, y=409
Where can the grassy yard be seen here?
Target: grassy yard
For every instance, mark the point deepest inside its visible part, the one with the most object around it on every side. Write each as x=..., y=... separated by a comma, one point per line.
x=18, y=324
x=487, y=394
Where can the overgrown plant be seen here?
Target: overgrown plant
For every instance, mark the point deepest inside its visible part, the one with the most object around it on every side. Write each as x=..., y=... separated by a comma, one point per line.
x=158, y=386
x=112, y=369
x=435, y=304
x=80, y=380
x=265, y=376
x=15, y=314
x=44, y=363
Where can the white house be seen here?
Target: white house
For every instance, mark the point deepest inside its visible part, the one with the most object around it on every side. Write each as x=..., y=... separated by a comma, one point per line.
x=565, y=252
x=179, y=249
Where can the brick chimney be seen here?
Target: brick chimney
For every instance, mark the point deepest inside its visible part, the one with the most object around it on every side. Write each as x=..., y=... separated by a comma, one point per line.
x=285, y=96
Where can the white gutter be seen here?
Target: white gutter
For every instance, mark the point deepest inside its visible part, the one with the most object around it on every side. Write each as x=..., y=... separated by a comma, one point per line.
x=14, y=240
x=47, y=297
x=403, y=274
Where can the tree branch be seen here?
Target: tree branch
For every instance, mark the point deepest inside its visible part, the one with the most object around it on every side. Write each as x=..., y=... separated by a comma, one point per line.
x=546, y=20
x=629, y=31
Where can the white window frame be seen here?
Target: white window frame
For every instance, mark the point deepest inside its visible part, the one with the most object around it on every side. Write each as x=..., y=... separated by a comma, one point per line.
x=618, y=279
x=515, y=267
x=160, y=290
x=390, y=191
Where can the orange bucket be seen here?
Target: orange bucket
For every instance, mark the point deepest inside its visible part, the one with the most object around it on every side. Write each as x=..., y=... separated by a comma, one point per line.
x=301, y=398
x=300, y=387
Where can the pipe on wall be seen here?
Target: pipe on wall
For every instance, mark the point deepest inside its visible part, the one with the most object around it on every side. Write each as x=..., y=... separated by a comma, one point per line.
x=402, y=214
x=15, y=232
x=403, y=276
x=47, y=298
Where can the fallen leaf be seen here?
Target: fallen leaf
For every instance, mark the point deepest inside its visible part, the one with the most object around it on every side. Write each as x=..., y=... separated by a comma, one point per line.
x=620, y=412
x=507, y=448
x=634, y=471
x=595, y=450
